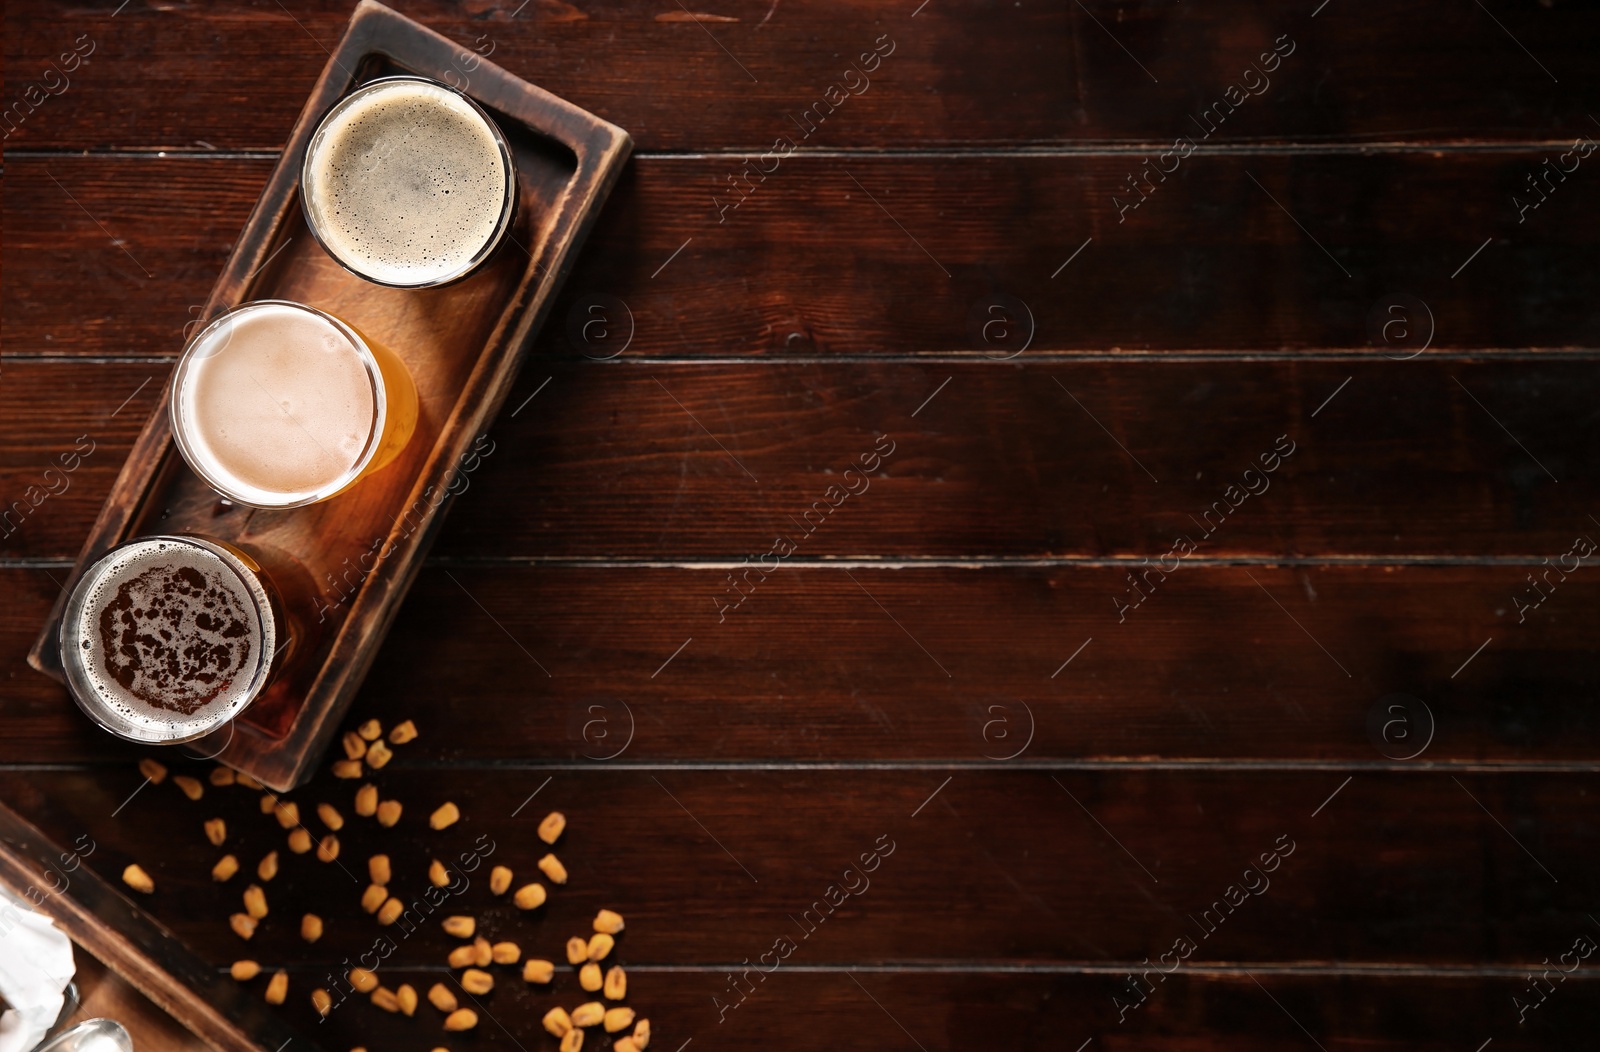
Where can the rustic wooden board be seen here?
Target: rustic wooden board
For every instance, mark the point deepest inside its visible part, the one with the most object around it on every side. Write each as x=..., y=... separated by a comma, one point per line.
x=624, y=471
x=1208, y=264
x=461, y=344
x=962, y=72
x=810, y=669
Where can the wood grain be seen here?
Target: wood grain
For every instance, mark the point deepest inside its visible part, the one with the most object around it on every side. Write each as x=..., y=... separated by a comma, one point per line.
x=1008, y=460
x=233, y=75
x=1210, y=263
x=567, y=664
x=1034, y=867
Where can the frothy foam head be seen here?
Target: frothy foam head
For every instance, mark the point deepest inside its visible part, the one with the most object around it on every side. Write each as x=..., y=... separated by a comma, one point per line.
x=275, y=405
x=406, y=184
x=166, y=639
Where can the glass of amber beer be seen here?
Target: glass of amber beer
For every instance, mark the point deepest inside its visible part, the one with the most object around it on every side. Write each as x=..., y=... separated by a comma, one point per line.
x=279, y=405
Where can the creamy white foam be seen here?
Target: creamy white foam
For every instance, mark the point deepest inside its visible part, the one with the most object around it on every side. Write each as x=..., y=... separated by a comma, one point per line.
x=167, y=638
x=276, y=405
x=405, y=183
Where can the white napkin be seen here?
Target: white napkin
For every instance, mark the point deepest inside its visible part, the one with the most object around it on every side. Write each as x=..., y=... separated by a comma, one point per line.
x=35, y=967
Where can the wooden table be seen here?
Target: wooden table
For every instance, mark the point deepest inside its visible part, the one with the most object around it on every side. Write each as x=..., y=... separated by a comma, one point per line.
x=1181, y=418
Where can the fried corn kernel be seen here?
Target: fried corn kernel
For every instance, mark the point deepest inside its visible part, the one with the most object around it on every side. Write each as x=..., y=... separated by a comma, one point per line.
x=461, y=1019
x=268, y=802
x=244, y=971
x=624, y=1044
x=378, y=755
x=267, y=868
x=278, y=987
x=225, y=868
x=600, y=945
x=216, y=831
x=460, y=927
x=221, y=776
x=388, y=813
x=482, y=952
x=355, y=746
x=190, y=787
x=390, y=911
x=288, y=813
x=447, y=815
x=529, y=896
x=347, y=769
x=557, y=1022
x=255, y=901
x=536, y=971
x=588, y=1014
x=641, y=1034
x=589, y=977
x=616, y=984
x=362, y=981
x=572, y=1041
x=441, y=998
x=619, y=1018
x=577, y=950
x=407, y=996
x=551, y=827
x=373, y=897
x=462, y=956
x=499, y=880
x=386, y=999
x=153, y=770
x=608, y=922
x=321, y=1002
x=328, y=848
x=243, y=925
x=240, y=778
x=299, y=840
x=330, y=817
x=378, y=869
x=474, y=981
x=551, y=867
x=138, y=879
x=370, y=730
x=438, y=876
x=311, y=927
x=402, y=733
x=505, y=953
x=367, y=800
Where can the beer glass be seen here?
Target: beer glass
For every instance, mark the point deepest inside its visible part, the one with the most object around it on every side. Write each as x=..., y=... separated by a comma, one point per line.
x=408, y=183
x=279, y=405
x=167, y=638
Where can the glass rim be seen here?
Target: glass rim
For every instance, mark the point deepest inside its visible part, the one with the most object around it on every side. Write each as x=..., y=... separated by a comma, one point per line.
x=179, y=424
x=508, y=198
x=70, y=641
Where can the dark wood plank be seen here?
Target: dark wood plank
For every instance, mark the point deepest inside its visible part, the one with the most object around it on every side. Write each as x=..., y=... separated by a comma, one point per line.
x=999, y=867
x=554, y=664
x=961, y=72
x=1208, y=264
x=608, y=462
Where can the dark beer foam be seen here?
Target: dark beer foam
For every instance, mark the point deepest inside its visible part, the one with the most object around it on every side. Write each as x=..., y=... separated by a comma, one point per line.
x=171, y=637
x=406, y=184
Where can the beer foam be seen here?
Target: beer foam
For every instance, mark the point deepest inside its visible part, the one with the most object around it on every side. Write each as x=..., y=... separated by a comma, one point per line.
x=169, y=638
x=277, y=405
x=406, y=183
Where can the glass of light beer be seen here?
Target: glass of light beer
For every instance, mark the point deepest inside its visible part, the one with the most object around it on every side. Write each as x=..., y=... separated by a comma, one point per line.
x=167, y=638
x=408, y=183
x=279, y=405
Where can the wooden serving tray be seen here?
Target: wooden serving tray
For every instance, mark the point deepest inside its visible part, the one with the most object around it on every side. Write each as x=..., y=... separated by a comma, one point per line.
x=462, y=343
